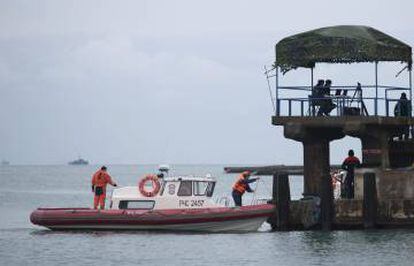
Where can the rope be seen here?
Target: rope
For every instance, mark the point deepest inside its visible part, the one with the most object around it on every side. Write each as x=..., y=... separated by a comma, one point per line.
x=270, y=89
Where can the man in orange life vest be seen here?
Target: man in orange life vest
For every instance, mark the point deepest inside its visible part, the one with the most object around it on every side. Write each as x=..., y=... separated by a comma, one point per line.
x=99, y=181
x=349, y=164
x=242, y=185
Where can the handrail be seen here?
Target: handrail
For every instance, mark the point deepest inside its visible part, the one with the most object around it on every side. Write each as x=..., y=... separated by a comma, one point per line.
x=350, y=87
x=336, y=97
x=343, y=103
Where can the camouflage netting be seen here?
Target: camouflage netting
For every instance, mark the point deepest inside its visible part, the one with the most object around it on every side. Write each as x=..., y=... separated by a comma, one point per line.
x=339, y=44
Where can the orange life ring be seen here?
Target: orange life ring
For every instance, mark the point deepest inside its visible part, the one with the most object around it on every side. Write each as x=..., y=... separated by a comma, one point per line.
x=155, y=185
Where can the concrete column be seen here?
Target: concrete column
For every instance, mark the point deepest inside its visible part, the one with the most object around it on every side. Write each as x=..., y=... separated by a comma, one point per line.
x=281, y=195
x=316, y=164
x=370, y=202
x=281, y=198
x=317, y=179
x=375, y=148
x=371, y=151
x=327, y=203
x=385, y=154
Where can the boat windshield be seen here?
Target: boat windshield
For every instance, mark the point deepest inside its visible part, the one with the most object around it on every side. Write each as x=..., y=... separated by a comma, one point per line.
x=203, y=188
x=187, y=188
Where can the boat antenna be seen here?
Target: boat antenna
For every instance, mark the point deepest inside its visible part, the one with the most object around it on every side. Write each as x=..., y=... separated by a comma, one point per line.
x=267, y=71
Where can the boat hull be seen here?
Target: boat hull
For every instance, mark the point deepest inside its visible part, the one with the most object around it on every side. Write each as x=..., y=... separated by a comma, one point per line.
x=243, y=219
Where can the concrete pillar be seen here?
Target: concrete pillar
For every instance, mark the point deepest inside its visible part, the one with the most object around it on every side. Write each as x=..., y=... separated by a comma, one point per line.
x=281, y=198
x=282, y=201
x=375, y=148
x=327, y=203
x=316, y=164
x=371, y=151
x=370, y=202
x=385, y=154
x=317, y=179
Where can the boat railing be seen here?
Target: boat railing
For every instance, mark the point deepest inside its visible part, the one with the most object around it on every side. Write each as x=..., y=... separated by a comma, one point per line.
x=227, y=201
x=223, y=201
x=259, y=201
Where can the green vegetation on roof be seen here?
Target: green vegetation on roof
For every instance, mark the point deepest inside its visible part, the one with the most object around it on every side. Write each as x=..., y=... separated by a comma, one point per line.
x=339, y=44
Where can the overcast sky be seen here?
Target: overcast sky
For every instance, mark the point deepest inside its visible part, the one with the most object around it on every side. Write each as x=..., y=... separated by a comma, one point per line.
x=159, y=81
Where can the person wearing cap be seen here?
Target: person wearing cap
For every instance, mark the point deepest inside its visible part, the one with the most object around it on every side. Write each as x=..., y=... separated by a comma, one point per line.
x=99, y=181
x=349, y=164
x=241, y=186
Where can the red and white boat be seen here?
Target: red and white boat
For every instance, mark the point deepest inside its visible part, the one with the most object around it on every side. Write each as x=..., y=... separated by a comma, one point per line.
x=173, y=203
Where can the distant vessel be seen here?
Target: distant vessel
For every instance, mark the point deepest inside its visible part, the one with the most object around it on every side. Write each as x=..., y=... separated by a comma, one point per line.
x=79, y=161
x=4, y=162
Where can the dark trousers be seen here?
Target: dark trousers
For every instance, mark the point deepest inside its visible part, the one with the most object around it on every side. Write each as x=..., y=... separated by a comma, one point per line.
x=237, y=197
x=349, y=186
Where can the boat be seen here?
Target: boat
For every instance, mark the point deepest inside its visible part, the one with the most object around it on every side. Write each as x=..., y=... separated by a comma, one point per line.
x=180, y=203
x=5, y=163
x=79, y=161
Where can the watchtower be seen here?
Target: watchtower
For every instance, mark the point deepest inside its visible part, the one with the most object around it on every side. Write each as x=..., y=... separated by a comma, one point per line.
x=369, y=118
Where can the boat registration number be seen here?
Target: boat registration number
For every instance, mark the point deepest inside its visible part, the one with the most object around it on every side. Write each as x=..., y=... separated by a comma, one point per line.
x=191, y=203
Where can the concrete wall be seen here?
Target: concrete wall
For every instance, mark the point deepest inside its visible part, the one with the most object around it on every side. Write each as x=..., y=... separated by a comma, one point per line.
x=349, y=214
x=391, y=183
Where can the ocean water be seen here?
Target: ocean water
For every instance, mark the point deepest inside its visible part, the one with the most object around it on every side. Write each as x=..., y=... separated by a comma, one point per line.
x=24, y=188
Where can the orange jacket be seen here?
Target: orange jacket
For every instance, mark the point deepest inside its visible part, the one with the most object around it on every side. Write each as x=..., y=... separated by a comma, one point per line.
x=101, y=179
x=240, y=185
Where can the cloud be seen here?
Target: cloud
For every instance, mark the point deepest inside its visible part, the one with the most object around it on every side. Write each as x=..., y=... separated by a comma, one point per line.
x=149, y=81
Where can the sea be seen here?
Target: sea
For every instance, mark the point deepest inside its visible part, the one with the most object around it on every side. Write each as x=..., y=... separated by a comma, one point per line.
x=25, y=188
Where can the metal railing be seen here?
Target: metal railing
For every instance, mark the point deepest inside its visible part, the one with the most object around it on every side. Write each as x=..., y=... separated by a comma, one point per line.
x=348, y=100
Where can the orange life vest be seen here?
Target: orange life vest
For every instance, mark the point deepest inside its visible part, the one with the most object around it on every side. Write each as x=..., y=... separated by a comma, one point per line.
x=239, y=185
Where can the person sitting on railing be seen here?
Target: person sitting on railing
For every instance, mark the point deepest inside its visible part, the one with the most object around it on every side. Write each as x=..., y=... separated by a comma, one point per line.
x=327, y=105
x=403, y=109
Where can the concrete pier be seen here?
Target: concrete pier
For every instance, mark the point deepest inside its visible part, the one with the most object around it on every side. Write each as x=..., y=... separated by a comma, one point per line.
x=315, y=133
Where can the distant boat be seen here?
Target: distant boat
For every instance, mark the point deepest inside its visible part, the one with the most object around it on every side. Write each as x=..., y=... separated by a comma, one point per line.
x=4, y=162
x=79, y=161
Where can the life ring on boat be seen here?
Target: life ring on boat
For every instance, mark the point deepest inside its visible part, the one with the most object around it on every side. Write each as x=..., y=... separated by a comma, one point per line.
x=155, y=185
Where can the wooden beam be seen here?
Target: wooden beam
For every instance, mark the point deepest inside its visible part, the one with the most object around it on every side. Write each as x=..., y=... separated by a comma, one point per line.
x=271, y=169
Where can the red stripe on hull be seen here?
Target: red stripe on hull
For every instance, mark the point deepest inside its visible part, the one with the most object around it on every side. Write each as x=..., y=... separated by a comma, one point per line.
x=78, y=216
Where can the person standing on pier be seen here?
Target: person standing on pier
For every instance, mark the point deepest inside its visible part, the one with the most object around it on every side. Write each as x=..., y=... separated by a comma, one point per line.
x=242, y=185
x=403, y=109
x=99, y=181
x=349, y=164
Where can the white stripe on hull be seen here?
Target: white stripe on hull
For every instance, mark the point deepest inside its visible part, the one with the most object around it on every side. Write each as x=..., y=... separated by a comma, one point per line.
x=245, y=225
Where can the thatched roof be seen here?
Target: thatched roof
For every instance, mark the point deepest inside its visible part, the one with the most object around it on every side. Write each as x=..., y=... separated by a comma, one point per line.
x=339, y=44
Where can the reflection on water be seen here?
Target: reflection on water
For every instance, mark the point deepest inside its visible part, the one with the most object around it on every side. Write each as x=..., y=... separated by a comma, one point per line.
x=29, y=187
